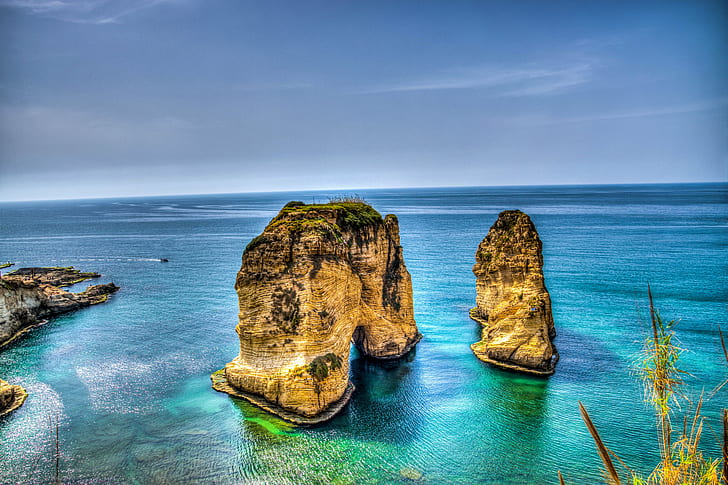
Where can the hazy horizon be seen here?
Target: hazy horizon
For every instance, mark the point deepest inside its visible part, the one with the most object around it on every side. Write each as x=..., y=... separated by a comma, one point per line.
x=342, y=191
x=104, y=98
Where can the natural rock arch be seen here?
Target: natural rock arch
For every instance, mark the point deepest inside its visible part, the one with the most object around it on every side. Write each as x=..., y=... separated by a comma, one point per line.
x=319, y=277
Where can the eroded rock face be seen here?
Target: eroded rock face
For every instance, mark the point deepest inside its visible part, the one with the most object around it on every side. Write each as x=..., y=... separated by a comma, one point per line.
x=25, y=298
x=513, y=304
x=318, y=277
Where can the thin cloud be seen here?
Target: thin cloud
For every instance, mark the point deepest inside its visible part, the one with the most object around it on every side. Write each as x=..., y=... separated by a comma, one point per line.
x=83, y=11
x=676, y=109
x=36, y=6
x=503, y=82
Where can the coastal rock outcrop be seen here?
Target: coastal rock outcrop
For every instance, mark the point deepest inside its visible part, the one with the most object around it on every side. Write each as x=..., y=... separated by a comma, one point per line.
x=54, y=276
x=513, y=305
x=30, y=295
x=11, y=397
x=319, y=277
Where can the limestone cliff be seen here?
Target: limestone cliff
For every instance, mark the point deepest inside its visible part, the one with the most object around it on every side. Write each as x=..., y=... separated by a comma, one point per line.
x=26, y=300
x=11, y=397
x=317, y=278
x=513, y=304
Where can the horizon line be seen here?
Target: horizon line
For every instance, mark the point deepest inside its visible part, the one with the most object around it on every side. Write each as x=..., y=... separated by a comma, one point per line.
x=275, y=191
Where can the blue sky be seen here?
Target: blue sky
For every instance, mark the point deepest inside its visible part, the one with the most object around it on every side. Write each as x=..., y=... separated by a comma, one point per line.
x=136, y=97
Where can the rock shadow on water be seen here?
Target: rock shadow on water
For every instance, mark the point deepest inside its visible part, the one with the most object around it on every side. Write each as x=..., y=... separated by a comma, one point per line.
x=521, y=396
x=378, y=417
x=385, y=405
x=518, y=407
x=583, y=360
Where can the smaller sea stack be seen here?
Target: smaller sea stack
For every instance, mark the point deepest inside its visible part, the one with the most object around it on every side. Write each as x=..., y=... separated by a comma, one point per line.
x=513, y=305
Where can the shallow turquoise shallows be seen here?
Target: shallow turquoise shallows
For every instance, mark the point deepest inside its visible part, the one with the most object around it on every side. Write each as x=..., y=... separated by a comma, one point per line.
x=129, y=382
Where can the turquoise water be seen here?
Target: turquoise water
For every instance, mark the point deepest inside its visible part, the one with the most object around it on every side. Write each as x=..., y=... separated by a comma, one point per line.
x=129, y=379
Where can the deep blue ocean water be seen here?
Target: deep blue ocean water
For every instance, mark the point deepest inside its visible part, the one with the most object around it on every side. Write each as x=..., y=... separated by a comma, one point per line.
x=128, y=380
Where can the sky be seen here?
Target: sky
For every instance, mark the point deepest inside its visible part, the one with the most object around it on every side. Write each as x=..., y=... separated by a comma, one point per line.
x=105, y=98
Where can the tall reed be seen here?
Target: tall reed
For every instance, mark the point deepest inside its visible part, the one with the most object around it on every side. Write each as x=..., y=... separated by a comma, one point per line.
x=681, y=460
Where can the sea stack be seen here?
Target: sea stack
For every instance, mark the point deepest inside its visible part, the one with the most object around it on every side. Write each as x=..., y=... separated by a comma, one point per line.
x=319, y=277
x=11, y=397
x=513, y=305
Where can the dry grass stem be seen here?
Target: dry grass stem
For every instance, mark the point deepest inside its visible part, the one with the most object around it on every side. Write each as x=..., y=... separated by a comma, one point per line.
x=681, y=460
x=613, y=477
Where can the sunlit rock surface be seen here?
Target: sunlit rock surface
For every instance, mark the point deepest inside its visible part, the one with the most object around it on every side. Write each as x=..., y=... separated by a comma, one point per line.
x=318, y=277
x=513, y=305
x=11, y=397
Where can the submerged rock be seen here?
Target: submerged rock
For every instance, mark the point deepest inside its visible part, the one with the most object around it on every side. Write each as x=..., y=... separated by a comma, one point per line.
x=27, y=297
x=11, y=397
x=318, y=277
x=410, y=473
x=513, y=304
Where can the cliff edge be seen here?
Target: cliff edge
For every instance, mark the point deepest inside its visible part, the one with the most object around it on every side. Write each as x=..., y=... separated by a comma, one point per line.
x=319, y=277
x=513, y=305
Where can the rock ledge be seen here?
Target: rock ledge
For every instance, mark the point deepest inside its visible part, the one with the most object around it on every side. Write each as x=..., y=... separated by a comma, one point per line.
x=220, y=384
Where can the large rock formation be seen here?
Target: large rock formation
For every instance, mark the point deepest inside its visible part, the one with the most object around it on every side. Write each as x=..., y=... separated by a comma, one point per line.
x=11, y=397
x=26, y=297
x=512, y=302
x=318, y=277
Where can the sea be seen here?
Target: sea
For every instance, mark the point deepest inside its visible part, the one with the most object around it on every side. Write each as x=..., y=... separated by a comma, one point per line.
x=120, y=392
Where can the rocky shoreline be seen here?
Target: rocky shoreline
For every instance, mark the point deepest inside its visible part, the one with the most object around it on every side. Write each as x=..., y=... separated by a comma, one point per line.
x=54, y=275
x=29, y=296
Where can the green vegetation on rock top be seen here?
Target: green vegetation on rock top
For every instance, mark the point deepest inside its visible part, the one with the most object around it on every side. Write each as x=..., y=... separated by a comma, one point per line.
x=329, y=220
x=348, y=214
x=257, y=241
x=510, y=218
